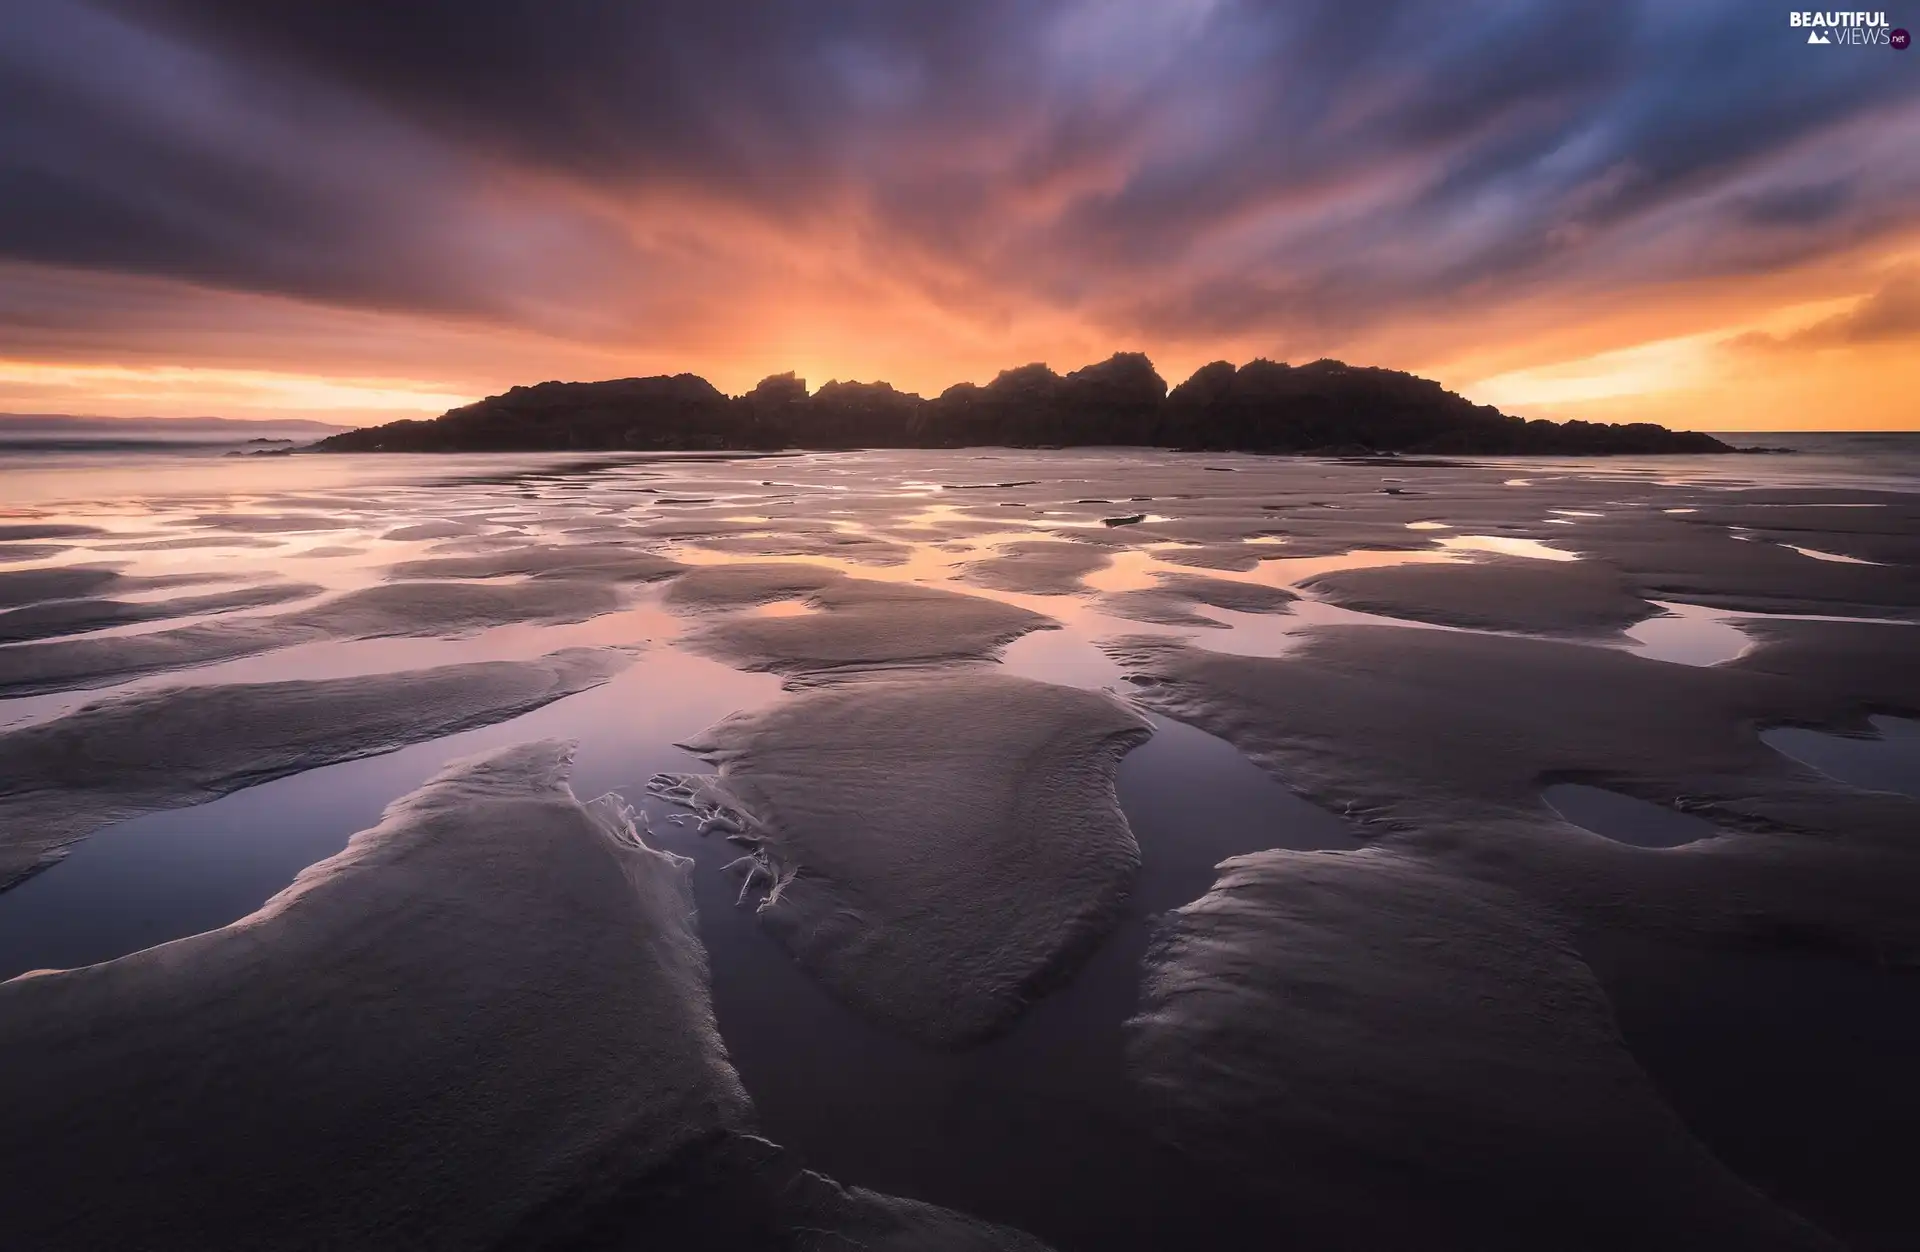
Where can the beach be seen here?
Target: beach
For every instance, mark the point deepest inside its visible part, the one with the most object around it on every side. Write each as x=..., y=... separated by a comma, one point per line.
x=1094, y=848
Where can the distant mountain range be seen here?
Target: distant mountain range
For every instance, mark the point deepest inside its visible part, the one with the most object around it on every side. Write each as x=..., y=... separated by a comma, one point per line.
x=68, y=427
x=1325, y=407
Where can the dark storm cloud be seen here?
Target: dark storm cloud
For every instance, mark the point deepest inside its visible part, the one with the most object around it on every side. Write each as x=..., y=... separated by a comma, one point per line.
x=125, y=148
x=744, y=95
x=1183, y=167
x=121, y=150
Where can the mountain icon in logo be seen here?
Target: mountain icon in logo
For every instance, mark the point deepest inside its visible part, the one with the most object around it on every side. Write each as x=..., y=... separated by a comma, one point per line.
x=1814, y=36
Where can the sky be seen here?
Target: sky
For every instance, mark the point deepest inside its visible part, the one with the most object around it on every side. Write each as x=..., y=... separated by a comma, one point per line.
x=367, y=209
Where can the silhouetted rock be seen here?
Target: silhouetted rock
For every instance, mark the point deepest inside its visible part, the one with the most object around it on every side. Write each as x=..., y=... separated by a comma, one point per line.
x=858, y=415
x=681, y=411
x=1115, y=402
x=771, y=414
x=1325, y=408
x=1329, y=406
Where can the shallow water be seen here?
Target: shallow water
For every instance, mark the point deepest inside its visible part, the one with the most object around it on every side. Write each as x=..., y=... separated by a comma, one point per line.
x=1022, y=1129
x=1509, y=545
x=1624, y=819
x=1695, y=634
x=1888, y=762
x=1027, y=1129
x=1030, y=1125
x=1688, y=634
x=1795, y=1068
x=171, y=874
x=1818, y=555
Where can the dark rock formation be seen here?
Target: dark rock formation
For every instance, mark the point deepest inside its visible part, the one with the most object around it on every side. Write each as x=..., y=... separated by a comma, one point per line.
x=1115, y=402
x=1323, y=407
x=856, y=415
x=1330, y=406
x=682, y=411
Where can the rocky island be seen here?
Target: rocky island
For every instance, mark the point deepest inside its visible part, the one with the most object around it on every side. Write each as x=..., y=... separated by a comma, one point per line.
x=1325, y=407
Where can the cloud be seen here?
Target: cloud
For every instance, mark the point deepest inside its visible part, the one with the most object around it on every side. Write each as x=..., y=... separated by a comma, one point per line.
x=688, y=174
x=1892, y=312
x=1807, y=204
x=1888, y=314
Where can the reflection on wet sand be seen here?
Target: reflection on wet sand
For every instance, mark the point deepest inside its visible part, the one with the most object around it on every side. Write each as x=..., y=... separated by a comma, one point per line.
x=872, y=554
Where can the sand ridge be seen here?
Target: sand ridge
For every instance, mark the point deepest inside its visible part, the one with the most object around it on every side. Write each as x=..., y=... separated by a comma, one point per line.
x=937, y=850
x=859, y=624
x=1396, y=1057
x=413, y=608
x=486, y=1021
x=1580, y=598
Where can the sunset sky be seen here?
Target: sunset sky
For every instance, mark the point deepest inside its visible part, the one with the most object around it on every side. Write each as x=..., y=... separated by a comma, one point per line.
x=1676, y=212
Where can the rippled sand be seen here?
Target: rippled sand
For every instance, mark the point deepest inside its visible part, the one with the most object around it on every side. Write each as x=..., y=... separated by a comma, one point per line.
x=1501, y=758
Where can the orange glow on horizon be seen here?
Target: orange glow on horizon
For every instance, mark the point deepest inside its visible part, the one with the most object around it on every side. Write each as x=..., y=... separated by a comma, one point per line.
x=1772, y=351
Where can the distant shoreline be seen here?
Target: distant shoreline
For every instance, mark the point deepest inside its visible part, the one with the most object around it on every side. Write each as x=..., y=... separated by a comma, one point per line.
x=41, y=428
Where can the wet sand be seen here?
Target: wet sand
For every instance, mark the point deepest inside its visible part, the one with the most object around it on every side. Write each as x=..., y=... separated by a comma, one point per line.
x=1601, y=710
